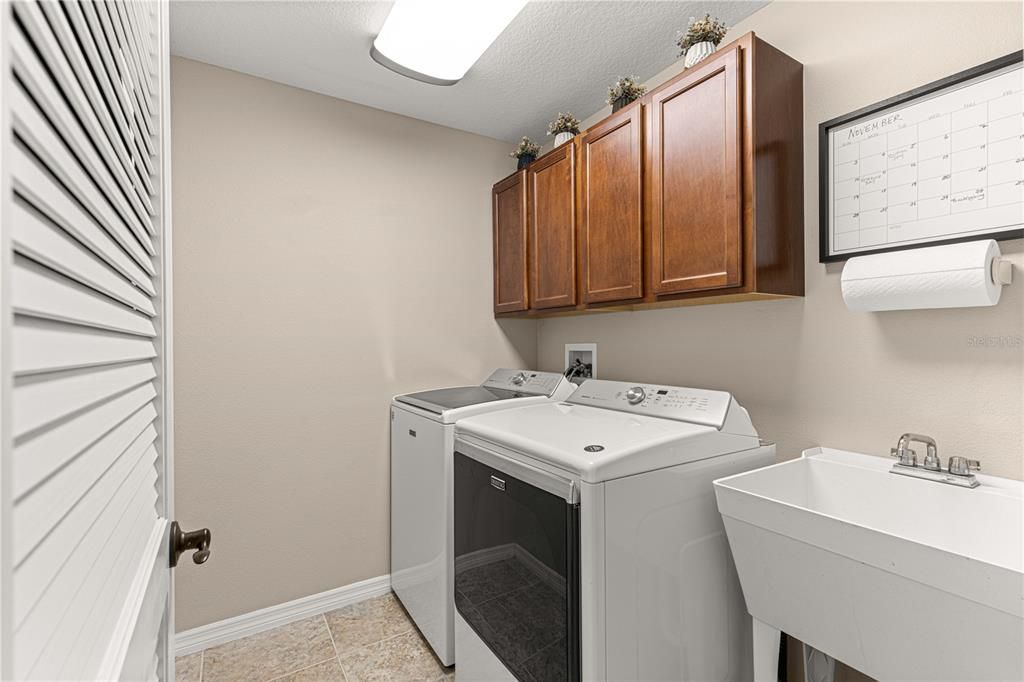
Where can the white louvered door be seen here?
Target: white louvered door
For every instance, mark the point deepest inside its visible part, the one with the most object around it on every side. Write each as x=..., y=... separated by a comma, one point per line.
x=85, y=361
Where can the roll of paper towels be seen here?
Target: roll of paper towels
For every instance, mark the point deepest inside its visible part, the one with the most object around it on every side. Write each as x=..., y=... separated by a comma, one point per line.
x=952, y=276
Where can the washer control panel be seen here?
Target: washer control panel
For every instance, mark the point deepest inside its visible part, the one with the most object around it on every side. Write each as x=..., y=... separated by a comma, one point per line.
x=524, y=381
x=694, y=405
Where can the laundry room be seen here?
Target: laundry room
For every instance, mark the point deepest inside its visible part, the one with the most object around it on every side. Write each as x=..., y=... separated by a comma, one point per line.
x=523, y=340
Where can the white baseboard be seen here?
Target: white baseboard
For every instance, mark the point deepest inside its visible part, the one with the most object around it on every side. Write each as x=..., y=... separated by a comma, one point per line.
x=212, y=634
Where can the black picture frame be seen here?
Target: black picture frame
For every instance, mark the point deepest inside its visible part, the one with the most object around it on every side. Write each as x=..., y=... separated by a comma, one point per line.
x=824, y=162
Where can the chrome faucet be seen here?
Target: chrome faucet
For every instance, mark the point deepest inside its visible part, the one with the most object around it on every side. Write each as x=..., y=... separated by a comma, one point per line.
x=958, y=473
x=908, y=457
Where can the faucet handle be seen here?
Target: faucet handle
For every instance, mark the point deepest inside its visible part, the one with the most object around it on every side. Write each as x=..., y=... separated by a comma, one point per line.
x=906, y=456
x=961, y=466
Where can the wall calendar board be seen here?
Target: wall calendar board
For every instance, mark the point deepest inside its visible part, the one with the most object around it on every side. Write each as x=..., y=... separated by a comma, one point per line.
x=940, y=164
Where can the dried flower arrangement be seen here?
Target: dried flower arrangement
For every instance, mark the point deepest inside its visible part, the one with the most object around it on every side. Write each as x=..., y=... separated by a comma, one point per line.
x=706, y=30
x=565, y=123
x=625, y=90
x=525, y=148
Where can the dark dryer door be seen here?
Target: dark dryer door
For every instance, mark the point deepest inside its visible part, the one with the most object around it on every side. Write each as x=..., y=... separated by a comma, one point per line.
x=517, y=578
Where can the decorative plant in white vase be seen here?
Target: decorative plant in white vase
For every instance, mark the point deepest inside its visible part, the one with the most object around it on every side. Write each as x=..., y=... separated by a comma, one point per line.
x=701, y=39
x=564, y=127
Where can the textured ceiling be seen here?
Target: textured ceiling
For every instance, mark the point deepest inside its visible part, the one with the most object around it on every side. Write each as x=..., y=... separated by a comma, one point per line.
x=555, y=56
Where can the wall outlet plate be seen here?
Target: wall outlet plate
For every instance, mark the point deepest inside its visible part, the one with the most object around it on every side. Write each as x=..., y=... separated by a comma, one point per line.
x=580, y=362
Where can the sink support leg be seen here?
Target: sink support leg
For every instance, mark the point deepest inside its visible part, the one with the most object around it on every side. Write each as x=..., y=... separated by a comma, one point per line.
x=818, y=667
x=766, y=652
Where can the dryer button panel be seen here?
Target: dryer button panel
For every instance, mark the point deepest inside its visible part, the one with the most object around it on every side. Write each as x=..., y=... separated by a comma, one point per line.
x=693, y=405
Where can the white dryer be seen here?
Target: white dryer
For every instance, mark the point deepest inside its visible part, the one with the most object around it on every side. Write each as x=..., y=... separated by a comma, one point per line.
x=587, y=540
x=422, y=441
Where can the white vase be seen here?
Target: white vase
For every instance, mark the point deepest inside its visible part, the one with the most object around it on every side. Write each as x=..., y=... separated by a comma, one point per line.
x=562, y=138
x=699, y=52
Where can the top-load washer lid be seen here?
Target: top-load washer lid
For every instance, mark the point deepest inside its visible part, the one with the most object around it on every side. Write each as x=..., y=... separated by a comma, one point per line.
x=503, y=384
x=442, y=399
x=609, y=429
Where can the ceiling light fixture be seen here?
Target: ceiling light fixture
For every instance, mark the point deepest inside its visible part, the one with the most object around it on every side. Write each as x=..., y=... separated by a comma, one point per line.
x=437, y=41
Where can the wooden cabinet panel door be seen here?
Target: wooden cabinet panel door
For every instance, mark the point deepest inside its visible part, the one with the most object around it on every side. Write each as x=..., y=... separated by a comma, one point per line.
x=551, y=182
x=694, y=155
x=611, y=228
x=508, y=199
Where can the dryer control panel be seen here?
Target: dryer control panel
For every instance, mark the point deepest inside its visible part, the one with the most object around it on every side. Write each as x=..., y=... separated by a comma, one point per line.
x=524, y=381
x=694, y=405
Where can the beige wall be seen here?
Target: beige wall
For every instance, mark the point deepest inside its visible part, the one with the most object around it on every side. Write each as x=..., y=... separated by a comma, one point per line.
x=326, y=257
x=810, y=371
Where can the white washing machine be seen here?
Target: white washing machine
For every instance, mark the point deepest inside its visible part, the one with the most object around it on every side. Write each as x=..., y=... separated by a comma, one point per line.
x=588, y=544
x=422, y=441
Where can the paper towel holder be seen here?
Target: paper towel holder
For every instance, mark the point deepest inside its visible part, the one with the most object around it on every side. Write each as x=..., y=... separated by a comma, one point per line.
x=1002, y=271
x=960, y=275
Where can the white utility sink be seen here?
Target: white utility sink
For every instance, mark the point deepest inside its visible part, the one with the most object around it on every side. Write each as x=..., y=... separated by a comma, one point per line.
x=901, y=578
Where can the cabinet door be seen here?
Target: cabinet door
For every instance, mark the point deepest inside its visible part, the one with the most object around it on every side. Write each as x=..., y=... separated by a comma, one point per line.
x=552, y=199
x=693, y=150
x=611, y=228
x=508, y=199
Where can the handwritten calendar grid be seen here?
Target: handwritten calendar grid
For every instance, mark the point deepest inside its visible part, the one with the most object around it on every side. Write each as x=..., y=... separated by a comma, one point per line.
x=898, y=174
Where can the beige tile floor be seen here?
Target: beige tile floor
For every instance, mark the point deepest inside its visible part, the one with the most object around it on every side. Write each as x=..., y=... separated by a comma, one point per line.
x=370, y=641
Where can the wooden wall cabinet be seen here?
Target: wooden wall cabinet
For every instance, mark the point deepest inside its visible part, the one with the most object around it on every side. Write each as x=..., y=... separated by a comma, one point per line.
x=694, y=178
x=551, y=197
x=692, y=195
x=611, y=208
x=724, y=183
x=508, y=204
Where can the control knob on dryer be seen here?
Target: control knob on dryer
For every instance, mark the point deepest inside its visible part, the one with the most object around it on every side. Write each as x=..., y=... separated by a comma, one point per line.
x=519, y=379
x=635, y=395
